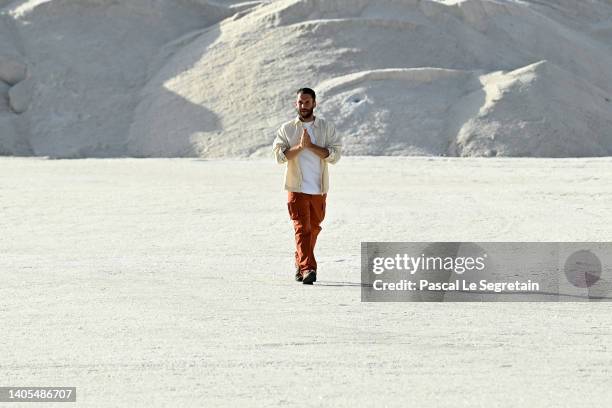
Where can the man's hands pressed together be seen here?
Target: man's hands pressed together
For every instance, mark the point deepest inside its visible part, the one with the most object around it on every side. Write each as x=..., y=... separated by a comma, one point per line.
x=306, y=143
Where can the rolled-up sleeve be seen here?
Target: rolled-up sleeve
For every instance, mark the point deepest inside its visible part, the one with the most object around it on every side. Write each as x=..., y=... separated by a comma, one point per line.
x=279, y=146
x=334, y=146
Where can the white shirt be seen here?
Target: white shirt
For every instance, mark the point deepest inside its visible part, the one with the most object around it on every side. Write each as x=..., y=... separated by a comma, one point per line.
x=310, y=165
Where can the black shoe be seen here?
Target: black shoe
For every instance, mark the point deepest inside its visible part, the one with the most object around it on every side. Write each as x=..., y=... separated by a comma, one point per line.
x=309, y=277
x=298, y=273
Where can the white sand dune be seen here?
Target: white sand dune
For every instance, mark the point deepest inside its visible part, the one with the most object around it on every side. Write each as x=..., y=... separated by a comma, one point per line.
x=214, y=79
x=146, y=283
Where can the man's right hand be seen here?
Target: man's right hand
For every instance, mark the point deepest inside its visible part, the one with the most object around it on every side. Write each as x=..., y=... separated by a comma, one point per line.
x=293, y=151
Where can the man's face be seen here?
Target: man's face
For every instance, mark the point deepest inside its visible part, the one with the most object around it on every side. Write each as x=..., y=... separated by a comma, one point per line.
x=305, y=106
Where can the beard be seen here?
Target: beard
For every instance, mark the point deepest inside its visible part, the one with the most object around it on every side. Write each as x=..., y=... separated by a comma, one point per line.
x=305, y=114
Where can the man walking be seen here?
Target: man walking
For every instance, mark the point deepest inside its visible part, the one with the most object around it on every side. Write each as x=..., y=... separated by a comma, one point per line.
x=306, y=144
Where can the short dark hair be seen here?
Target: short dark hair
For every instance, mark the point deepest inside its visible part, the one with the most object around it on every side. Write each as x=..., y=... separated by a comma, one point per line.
x=307, y=91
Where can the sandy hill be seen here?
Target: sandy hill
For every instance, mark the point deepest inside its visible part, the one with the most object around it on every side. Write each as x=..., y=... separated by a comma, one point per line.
x=109, y=78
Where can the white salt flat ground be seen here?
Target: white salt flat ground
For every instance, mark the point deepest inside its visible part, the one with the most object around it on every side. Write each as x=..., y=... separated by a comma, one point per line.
x=168, y=282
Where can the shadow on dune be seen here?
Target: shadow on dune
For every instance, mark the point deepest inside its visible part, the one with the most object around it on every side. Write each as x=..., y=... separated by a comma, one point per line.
x=166, y=123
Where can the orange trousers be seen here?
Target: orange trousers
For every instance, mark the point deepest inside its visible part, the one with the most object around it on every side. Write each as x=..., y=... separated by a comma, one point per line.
x=306, y=211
